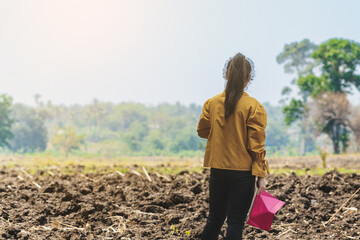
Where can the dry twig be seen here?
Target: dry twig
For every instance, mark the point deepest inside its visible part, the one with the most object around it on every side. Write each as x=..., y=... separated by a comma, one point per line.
x=162, y=176
x=146, y=174
x=285, y=224
x=134, y=210
x=147, y=184
x=70, y=227
x=350, y=237
x=37, y=185
x=26, y=173
x=136, y=172
x=284, y=233
x=332, y=217
x=6, y=220
x=120, y=173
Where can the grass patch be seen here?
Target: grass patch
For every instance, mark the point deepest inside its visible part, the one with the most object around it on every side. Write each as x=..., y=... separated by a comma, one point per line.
x=73, y=165
x=314, y=171
x=163, y=165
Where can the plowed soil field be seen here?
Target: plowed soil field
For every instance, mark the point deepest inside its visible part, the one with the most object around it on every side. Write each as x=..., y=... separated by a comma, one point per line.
x=53, y=205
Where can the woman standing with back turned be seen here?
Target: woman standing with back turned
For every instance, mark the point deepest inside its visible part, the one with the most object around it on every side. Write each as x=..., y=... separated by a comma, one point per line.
x=234, y=124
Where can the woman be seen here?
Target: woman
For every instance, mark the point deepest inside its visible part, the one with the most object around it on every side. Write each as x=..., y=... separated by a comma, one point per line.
x=234, y=124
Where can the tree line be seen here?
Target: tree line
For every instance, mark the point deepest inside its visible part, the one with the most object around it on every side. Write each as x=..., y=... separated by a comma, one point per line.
x=123, y=129
x=127, y=128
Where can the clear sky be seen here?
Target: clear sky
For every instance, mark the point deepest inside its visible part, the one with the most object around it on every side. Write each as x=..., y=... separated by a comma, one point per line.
x=153, y=51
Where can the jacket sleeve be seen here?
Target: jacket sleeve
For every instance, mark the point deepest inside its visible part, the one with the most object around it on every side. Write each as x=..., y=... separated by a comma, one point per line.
x=203, y=127
x=256, y=125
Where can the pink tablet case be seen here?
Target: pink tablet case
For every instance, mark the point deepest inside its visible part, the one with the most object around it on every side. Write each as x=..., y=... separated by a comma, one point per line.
x=263, y=210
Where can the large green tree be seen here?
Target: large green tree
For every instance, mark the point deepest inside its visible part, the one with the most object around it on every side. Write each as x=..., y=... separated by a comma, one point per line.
x=340, y=59
x=297, y=60
x=5, y=120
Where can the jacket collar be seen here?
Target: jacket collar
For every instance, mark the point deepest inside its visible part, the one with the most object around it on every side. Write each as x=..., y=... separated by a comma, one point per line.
x=244, y=94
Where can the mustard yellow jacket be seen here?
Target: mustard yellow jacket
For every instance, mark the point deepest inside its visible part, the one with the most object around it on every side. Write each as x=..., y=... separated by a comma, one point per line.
x=238, y=142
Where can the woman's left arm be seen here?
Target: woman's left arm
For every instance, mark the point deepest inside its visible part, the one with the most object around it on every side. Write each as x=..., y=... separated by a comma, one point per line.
x=256, y=125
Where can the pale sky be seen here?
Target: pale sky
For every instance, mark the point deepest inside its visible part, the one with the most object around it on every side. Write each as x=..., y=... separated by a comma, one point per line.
x=155, y=51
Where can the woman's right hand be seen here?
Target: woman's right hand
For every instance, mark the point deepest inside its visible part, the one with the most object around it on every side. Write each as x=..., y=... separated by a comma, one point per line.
x=260, y=184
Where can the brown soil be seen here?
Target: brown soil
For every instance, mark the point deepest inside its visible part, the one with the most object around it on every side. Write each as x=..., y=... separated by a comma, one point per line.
x=109, y=206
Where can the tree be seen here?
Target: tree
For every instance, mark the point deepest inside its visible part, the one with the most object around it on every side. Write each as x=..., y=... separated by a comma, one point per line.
x=185, y=140
x=124, y=115
x=340, y=59
x=66, y=139
x=5, y=120
x=29, y=129
x=293, y=111
x=276, y=135
x=331, y=116
x=95, y=113
x=354, y=123
x=135, y=135
x=296, y=58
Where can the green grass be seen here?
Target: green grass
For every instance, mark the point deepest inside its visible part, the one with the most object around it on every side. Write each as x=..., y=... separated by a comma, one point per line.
x=163, y=165
x=315, y=171
x=73, y=165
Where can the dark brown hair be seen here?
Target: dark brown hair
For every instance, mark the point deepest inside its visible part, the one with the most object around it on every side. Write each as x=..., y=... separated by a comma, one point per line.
x=237, y=74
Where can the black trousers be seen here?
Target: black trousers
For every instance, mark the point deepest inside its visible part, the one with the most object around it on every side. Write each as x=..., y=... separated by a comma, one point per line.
x=231, y=193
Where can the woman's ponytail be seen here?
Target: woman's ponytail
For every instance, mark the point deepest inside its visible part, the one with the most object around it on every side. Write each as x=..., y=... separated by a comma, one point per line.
x=237, y=73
